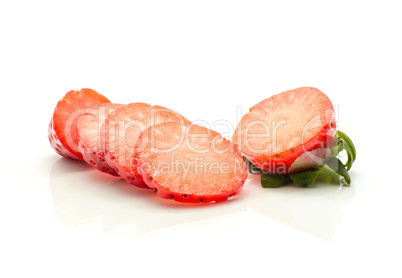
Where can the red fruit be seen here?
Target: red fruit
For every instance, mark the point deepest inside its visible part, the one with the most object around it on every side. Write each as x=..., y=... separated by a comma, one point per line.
x=63, y=133
x=189, y=163
x=120, y=132
x=280, y=128
x=89, y=126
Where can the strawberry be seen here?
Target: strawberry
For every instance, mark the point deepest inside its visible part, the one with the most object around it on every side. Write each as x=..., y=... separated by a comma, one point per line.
x=89, y=126
x=189, y=163
x=63, y=133
x=279, y=129
x=120, y=132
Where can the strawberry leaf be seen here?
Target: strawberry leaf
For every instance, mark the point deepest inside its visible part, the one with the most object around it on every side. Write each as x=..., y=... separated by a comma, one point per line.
x=309, y=160
x=269, y=180
x=252, y=168
x=343, y=142
x=316, y=165
x=338, y=147
x=337, y=166
x=305, y=178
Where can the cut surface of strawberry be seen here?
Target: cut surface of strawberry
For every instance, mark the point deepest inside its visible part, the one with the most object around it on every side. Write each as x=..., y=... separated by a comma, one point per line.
x=189, y=163
x=63, y=132
x=280, y=128
x=89, y=126
x=120, y=132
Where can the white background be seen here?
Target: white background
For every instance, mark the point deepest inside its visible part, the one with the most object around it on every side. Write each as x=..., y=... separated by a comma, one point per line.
x=203, y=59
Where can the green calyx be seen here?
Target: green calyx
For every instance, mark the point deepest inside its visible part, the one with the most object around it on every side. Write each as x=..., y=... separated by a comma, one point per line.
x=332, y=171
x=343, y=142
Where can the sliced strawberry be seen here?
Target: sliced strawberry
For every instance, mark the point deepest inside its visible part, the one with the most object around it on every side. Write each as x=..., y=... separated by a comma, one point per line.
x=189, y=163
x=63, y=133
x=280, y=128
x=120, y=132
x=89, y=126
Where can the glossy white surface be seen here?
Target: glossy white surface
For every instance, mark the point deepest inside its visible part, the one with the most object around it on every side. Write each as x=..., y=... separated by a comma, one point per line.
x=209, y=61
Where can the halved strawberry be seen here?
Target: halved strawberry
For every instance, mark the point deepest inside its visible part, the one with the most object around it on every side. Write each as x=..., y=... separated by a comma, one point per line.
x=281, y=128
x=63, y=133
x=189, y=163
x=89, y=126
x=120, y=132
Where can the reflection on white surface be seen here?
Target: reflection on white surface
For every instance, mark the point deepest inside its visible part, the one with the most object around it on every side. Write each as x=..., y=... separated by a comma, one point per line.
x=317, y=210
x=80, y=198
x=83, y=195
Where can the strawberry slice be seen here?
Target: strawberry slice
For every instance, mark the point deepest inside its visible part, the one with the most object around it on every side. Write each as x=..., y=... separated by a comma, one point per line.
x=189, y=163
x=120, y=132
x=89, y=126
x=281, y=128
x=63, y=133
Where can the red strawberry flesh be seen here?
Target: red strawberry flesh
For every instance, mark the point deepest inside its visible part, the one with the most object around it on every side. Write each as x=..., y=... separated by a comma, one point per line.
x=189, y=163
x=121, y=131
x=63, y=132
x=89, y=126
x=280, y=128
